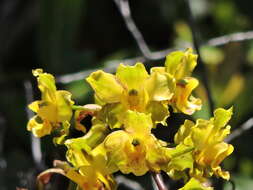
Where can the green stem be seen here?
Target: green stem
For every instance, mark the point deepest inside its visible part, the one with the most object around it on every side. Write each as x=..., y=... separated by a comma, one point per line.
x=87, y=107
x=182, y=152
x=76, y=107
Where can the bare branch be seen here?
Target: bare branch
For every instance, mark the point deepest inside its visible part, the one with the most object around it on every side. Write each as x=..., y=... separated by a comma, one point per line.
x=232, y=184
x=239, y=131
x=125, y=11
x=201, y=65
x=112, y=65
x=128, y=183
x=159, y=181
x=236, y=37
x=35, y=142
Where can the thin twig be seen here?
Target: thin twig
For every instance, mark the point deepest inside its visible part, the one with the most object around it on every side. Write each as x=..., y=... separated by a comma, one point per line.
x=232, y=184
x=201, y=65
x=236, y=37
x=239, y=131
x=3, y=163
x=112, y=65
x=128, y=183
x=154, y=186
x=35, y=145
x=125, y=11
x=159, y=181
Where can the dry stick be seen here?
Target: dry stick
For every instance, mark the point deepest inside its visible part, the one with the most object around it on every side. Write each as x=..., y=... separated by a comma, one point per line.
x=35, y=145
x=125, y=11
x=196, y=41
x=128, y=183
x=112, y=65
x=232, y=184
x=159, y=181
x=240, y=130
x=236, y=37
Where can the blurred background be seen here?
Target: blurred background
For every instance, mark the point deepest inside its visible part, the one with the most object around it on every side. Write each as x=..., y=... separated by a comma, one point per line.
x=64, y=37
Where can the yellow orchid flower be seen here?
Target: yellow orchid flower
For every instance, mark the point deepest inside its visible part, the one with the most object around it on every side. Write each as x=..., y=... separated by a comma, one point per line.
x=179, y=66
x=89, y=160
x=82, y=112
x=134, y=149
x=207, y=138
x=131, y=88
x=88, y=180
x=180, y=159
x=54, y=108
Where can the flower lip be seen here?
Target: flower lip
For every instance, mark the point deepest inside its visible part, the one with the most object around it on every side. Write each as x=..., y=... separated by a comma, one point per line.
x=38, y=119
x=135, y=142
x=133, y=92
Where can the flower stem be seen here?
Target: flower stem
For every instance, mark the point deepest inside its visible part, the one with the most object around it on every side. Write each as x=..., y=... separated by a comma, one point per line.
x=76, y=107
x=87, y=107
x=159, y=181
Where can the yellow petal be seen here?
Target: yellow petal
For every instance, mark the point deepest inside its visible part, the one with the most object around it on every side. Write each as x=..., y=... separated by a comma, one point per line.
x=64, y=103
x=181, y=158
x=78, y=118
x=46, y=83
x=48, y=111
x=160, y=87
x=223, y=151
x=159, y=112
x=34, y=106
x=184, y=102
x=106, y=87
x=183, y=132
x=113, y=115
x=160, y=70
x=194, y=184
x=222, y=116
x=138, y=123
x=132, y=77
x=135, y=100
x=76, y=153
x=181, y=64
x=38, y=127
x=129, y=157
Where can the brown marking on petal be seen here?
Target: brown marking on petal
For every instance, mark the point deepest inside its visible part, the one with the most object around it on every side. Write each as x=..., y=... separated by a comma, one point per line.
x=182, y=83
x=132, y=92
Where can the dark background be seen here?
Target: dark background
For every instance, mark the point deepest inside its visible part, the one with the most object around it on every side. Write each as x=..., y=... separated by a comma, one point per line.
x=68, y=36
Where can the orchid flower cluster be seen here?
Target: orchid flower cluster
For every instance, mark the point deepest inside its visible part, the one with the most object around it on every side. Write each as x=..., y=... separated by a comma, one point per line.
x=128, y=105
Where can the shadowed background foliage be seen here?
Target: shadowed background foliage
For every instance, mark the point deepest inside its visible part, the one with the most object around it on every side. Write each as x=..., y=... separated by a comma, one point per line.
x=63, y=36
